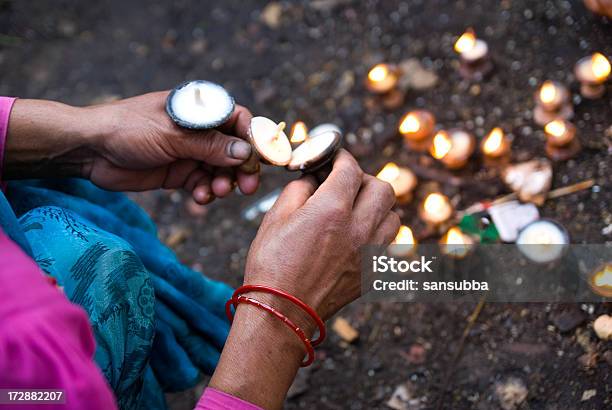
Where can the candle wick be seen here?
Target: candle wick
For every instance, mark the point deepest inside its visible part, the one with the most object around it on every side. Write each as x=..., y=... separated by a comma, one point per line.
x=198, y=97
x=279, y=128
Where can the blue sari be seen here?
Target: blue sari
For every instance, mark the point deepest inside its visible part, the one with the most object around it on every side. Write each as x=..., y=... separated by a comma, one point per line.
x=158, y=324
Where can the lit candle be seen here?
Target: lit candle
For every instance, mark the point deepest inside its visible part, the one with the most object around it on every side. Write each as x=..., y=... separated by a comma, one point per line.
x=456, y=244
x=299, y=132
x=417, y=127
x=270, y=141
x=601, y=280
x=453, y=148
x=474, y=55
x=552, y=102
x=315, y=152
x=199, y=105
x=592, y=72
x=402, y=180
x=382, y=78
x=543, y=241
x=404, y=244
x=561, y=141
x=495, y=146
x=436, y=209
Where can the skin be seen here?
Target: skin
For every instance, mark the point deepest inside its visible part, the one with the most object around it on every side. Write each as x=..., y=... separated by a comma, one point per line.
x=308, y=244
x=127, y=145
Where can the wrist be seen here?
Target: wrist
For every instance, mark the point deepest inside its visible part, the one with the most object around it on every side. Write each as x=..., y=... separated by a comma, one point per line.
x=47, y=138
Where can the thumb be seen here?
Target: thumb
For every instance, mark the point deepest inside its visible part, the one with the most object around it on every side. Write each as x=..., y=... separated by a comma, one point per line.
x=215, y=148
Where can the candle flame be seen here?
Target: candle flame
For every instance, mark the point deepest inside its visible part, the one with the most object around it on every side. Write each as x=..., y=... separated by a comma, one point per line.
x=442, y=145
x=548, y=92
x=466, y=41
x=409, y=124
x=299, y=132
x=435, y=203
x=555, y=128
x=493, y=141
x=600, y=66
x=454, y=236
x=378, y=73
x=389, y=173
x=404, y=236
x=603, y=278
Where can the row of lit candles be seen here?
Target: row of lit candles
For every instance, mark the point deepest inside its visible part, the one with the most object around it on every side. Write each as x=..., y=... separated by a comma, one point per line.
x=591, y=71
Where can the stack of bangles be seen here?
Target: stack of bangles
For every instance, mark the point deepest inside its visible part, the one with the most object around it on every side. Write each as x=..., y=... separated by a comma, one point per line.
x=238, y=298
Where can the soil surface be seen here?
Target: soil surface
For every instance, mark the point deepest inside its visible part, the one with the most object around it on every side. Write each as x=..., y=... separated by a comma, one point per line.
x=307, y=60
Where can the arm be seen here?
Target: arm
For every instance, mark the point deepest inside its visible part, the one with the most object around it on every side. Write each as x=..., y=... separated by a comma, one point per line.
x=307, y=245
x=45, y=341
x=129, y=144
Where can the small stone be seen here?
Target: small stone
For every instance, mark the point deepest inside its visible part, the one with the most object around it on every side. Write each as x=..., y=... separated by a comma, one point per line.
x=511, y=393
x=344, y=329
x=568, y=319
x=271, y=15
x=416, y=354
x=603, y=327
x=415, y=76
x=403, y=398
x=588, y=394
x=177, y=236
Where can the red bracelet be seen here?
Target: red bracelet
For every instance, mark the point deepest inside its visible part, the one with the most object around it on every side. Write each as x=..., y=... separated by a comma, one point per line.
x=235, y=301
x=309, y=310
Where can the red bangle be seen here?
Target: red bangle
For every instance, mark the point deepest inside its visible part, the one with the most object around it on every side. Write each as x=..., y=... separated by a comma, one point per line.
x=235, y=301
x=306, y=308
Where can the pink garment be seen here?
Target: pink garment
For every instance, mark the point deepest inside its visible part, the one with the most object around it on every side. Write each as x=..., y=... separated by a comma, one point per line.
x=46, y=342
x=213, y=399
x=6, y=103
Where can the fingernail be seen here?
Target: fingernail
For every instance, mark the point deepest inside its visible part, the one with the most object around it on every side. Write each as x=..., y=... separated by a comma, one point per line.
x=239, y=149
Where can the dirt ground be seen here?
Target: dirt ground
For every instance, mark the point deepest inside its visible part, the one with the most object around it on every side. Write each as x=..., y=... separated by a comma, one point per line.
x=307, y=60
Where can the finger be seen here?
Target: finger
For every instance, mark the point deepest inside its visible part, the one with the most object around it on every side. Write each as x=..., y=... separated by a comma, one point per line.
x=178, y=173
x=214, y=148
x=222, y=183
x=295, y=195
x=193, y=179
x=373, y=203
x=238, y=124
x=247, y=183
x=343, y=183
x=387, y=230
x=202, y=192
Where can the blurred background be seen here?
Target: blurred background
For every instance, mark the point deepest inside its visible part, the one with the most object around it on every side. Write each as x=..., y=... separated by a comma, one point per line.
x=308, y=60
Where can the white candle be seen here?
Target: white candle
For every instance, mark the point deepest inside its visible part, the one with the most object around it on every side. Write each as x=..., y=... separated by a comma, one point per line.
x=199, y=105
x=270, y=141
x=542, y=241
x=315, y=151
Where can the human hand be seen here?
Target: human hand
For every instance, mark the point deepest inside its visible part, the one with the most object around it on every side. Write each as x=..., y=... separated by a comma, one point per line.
x=308, y=244
x=141, y=148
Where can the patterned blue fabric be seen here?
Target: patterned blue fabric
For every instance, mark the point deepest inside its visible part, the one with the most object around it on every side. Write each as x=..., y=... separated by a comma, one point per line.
x=157, y=323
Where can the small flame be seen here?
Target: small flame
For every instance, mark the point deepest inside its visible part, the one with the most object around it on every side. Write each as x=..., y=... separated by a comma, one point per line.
x=409, y=124
x=299, y=132
x=555, y=128
x=378, y=73
x=442, y=145
x=548, y=92
x=389, y=173
x=435, y=203
x=600, y=66
x=454, y=236
x=494, y=140
x=466, y=42
x=404, y=236
x=603, y=278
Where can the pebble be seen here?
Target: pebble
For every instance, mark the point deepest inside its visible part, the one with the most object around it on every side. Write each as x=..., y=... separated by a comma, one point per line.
x=511, y=393
x=344, y=329
x=568, y=319
x=603, y=327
